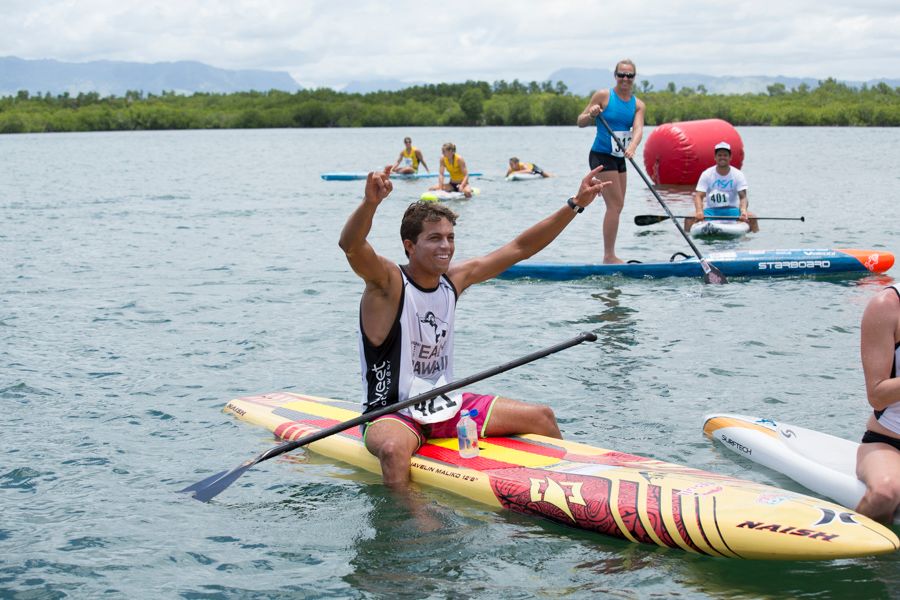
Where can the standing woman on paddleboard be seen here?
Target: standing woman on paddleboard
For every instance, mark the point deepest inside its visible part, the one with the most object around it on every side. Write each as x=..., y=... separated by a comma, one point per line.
x=625, y=115
x=878, y=458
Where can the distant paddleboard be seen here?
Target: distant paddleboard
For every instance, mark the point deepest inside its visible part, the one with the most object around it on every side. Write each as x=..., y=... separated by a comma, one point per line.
x=442, y=196
x=523, y=176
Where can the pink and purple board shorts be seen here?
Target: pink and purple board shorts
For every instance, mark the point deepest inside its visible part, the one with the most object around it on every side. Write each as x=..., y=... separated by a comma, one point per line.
x=445, y=429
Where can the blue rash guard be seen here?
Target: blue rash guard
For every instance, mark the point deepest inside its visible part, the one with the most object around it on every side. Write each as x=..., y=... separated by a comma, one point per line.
x=620, y=116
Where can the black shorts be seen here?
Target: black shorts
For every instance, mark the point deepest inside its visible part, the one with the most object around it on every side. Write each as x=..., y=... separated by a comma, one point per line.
x=872, y=437
x=610, y=163
x=537, y=170
x=455, y=185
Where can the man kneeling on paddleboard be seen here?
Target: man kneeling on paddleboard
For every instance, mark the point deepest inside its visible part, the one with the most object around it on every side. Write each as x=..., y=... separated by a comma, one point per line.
x=407, y=322
x=721, y=192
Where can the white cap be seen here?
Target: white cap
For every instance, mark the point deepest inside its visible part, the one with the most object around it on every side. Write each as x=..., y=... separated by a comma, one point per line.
x=723, y=146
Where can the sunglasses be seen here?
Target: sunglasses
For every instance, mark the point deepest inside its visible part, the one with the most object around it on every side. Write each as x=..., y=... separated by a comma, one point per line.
x=625, y=75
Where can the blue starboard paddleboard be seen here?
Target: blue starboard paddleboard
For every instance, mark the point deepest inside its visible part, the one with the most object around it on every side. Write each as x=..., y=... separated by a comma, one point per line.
x=744, y=263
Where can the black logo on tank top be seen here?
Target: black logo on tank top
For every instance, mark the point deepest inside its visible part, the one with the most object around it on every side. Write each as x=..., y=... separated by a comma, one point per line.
x=439, y=327
x=428, y=356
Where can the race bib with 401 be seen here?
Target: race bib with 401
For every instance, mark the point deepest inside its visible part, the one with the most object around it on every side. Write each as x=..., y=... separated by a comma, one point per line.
x=718, y=199
x=434, y=410
x=624, y=138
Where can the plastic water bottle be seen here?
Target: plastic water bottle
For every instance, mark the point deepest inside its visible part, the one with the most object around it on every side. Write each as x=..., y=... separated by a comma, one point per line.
x=467, y=433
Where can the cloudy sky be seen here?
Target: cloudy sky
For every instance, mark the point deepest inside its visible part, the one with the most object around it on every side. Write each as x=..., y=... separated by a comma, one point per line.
x=332, y=42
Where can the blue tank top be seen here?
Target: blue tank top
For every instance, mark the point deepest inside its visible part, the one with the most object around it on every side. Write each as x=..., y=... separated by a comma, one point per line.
x=620, y=116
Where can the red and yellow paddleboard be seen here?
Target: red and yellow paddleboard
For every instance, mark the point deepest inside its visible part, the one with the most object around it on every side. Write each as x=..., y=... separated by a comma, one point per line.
x=622, y=495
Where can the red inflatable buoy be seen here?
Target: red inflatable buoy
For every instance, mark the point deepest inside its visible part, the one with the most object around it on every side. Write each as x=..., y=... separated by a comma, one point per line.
x=676, y=153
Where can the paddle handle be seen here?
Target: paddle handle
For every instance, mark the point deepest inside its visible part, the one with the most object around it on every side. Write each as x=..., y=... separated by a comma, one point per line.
x=434, y=393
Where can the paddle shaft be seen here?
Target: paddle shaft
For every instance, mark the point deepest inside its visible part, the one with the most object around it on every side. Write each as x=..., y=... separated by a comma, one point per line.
x=703, y=262
x=652, y=219
x=210, y=487
x=434, y=393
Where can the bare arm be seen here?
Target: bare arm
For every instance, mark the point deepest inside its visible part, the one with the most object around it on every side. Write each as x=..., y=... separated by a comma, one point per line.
x=422, y=160
x=880, y=324
x=526, y=244
x=637, y=129
x=595, y=107
x=366, y=263
x=698, y=204
x=744, y=202
x=465, y=172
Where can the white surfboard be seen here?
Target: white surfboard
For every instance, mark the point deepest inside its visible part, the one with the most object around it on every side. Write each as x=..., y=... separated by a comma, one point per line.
x=711, y=228
x=523, y=176
x=824, y=463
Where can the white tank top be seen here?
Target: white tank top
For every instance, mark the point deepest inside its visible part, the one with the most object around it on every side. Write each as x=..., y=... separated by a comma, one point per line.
x=419, y=345
x=890, y=416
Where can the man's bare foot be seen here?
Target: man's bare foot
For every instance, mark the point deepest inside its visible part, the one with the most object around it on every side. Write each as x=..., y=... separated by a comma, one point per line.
x=612, y=260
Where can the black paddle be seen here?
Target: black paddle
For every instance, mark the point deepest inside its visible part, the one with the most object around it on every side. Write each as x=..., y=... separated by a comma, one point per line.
x=212, y=486
x=651, y=219
x=711, y=274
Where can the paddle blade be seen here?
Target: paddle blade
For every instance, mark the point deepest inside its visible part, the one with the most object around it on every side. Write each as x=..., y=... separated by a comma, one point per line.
x=649, y=219
x=711, y=274
x=218, y=485
x=203, y=483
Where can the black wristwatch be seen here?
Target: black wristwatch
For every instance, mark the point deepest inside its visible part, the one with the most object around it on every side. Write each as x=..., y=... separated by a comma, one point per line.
x=573, y=206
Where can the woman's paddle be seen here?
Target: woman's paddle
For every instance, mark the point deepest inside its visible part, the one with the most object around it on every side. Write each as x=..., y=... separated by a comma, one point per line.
x=651, y=219
x=212, y=486
x=711, y=274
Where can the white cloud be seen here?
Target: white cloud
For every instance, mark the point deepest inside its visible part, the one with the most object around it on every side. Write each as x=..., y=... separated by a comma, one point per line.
x=322, y=42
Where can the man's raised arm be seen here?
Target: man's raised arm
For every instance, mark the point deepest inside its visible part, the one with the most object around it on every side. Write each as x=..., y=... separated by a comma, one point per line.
x=529, y=242
x=363, y=259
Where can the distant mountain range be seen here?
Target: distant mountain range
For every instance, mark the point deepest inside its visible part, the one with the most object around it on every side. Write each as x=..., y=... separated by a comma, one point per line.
x=585, y=81
x=116, y=78
x=186, y=77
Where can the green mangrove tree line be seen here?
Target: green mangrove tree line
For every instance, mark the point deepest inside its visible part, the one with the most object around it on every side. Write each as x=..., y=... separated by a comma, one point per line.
x=473, y=103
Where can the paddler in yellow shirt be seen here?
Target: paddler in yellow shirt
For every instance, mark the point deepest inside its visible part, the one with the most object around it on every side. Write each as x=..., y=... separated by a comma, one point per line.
x=516, y=166
x=456, y=167
x=410, y=157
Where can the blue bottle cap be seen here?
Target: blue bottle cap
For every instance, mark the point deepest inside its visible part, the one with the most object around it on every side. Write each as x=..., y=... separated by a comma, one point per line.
x=473, y=412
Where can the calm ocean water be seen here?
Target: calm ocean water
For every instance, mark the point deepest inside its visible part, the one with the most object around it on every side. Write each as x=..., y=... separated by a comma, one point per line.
x=147, y=278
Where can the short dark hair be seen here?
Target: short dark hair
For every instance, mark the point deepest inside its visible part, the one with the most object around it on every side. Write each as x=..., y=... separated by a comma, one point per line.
x=417, y=213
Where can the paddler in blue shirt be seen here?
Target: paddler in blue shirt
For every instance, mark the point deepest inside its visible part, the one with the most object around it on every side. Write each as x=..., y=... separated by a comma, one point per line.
x=410, y=157
x=515, y=166
x=625, y=115
x=878, y=457
x=406, y=324
x=456, y=170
